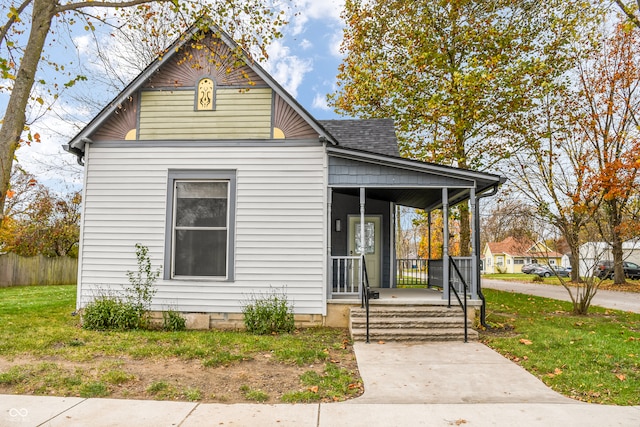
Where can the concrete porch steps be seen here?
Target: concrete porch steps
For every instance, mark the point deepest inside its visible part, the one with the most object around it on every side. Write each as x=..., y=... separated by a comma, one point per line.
x=410, y=323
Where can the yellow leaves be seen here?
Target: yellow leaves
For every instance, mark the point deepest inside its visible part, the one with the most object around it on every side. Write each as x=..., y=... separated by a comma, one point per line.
x=525, y=341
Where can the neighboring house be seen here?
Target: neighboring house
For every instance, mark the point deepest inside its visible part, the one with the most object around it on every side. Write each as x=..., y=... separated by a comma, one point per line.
x=509, y=255
x=593, y=252
x=236, y=189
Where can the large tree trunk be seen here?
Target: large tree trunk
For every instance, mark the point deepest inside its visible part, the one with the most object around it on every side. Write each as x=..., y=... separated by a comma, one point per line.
x=618, y=268
x=14, y=119
x=465, y=230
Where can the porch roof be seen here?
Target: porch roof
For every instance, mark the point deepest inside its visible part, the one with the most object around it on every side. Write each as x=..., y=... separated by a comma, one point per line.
x=403, y=181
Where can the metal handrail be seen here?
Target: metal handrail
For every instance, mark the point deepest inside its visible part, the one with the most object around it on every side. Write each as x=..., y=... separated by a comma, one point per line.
x=463, y=305
x=365, y=292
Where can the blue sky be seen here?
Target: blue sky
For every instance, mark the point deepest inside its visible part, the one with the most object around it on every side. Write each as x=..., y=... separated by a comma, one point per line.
x=305, y=62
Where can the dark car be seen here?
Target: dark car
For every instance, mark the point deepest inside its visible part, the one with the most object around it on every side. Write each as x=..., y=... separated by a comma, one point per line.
x=604, y=270
x=528, y=268
x=545, y=271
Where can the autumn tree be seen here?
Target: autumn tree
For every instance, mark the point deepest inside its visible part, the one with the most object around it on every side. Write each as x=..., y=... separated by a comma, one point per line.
x=454, y=74
x=37, y=220
x=509, y=217
x=549, y=170
x=27, y=63
x=609, y=90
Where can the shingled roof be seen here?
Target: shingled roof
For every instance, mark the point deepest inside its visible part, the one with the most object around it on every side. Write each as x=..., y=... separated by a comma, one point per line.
x=372, y=135
x=521, y=248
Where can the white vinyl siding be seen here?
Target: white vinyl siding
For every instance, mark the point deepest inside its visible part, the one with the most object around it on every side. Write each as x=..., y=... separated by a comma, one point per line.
x=166, y=115
x=279, y=223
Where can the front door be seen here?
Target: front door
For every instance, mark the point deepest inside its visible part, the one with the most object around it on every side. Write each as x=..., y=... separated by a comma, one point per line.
x=373, y=249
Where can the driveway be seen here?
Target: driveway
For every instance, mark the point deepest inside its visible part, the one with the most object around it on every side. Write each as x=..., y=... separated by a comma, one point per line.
x=625, y=301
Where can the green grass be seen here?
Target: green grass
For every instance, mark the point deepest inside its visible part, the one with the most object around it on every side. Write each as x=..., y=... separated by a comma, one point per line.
x=253, y=394
x=594, y=358
x=332, y=385
x=38, y=322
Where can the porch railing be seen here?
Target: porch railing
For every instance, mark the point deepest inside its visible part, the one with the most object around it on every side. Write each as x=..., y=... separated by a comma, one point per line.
x=366, y=293
x=411, y=272
x=435, y=269
x=346, y=275
x=458, y=279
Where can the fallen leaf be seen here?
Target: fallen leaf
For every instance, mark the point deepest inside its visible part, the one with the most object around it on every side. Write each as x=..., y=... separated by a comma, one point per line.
x=381, y=342
x=525, y=342
x=557, y=371
x=621, y=377
x=313, y=389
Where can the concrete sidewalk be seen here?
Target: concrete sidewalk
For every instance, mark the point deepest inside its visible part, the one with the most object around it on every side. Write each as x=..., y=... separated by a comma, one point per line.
x=435, y=384
x=625, y=301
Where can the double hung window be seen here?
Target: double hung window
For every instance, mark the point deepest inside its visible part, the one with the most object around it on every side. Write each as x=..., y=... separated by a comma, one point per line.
x=200, y=221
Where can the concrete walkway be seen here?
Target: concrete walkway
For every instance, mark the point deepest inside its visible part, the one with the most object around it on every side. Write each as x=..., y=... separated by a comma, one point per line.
x=625, y=301
x=435, y=384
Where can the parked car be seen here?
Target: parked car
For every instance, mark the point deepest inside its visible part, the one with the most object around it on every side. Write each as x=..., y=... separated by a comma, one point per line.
x=545, y=271
x=528, y=268
x=604, y=270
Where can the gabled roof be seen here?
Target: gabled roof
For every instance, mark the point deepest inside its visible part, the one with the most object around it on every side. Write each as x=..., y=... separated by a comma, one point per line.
x=511, y=246
x=372, y=135
x=76, y=145
x=521, y=248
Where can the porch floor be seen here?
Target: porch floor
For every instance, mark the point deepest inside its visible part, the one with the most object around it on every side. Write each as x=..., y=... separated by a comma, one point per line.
x=406, y=296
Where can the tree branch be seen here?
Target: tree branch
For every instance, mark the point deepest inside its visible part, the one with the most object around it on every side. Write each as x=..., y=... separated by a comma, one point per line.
x=75, y=6
x=632, y=17
x=12, y=19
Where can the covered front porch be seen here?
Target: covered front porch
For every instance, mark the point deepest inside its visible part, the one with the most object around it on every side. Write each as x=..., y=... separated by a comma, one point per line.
x=364, y=190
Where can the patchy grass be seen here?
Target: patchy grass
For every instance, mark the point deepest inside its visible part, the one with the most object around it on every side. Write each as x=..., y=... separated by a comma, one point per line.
x=37, y=325
x=594, y=358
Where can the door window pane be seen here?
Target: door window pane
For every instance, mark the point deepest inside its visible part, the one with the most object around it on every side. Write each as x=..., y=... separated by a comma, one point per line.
x=369, y=238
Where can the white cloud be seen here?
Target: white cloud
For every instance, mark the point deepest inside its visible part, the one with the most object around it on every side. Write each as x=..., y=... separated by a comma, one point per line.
x=336, y=43
x=285, y=68
x=320, y=102
x=306, y=44
x=314, y=9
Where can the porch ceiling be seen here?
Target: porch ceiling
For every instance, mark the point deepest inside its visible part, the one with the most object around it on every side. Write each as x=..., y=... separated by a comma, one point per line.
x=419, y=198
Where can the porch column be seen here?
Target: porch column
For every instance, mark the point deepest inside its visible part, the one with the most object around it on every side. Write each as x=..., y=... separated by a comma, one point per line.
x=475, y=237
x=329, y=281
x=445, y=243
x=428, y=235
x=362, y=203
x=362, y=237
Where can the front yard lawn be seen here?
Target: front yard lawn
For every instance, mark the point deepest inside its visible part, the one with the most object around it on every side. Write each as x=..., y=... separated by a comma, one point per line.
x=43, y=350
x=594, y=358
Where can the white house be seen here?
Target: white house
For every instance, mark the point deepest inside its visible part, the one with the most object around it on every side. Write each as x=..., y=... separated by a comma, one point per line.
x=593, y=252
x=236, y=189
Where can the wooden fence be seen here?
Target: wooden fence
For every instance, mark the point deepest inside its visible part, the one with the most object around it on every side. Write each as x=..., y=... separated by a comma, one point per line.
x=37, y=270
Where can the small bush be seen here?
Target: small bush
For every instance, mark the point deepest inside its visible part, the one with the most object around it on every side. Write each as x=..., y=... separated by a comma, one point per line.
x=132, y=311
x=107, y=312
x=173, y=321
x=267, y=314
